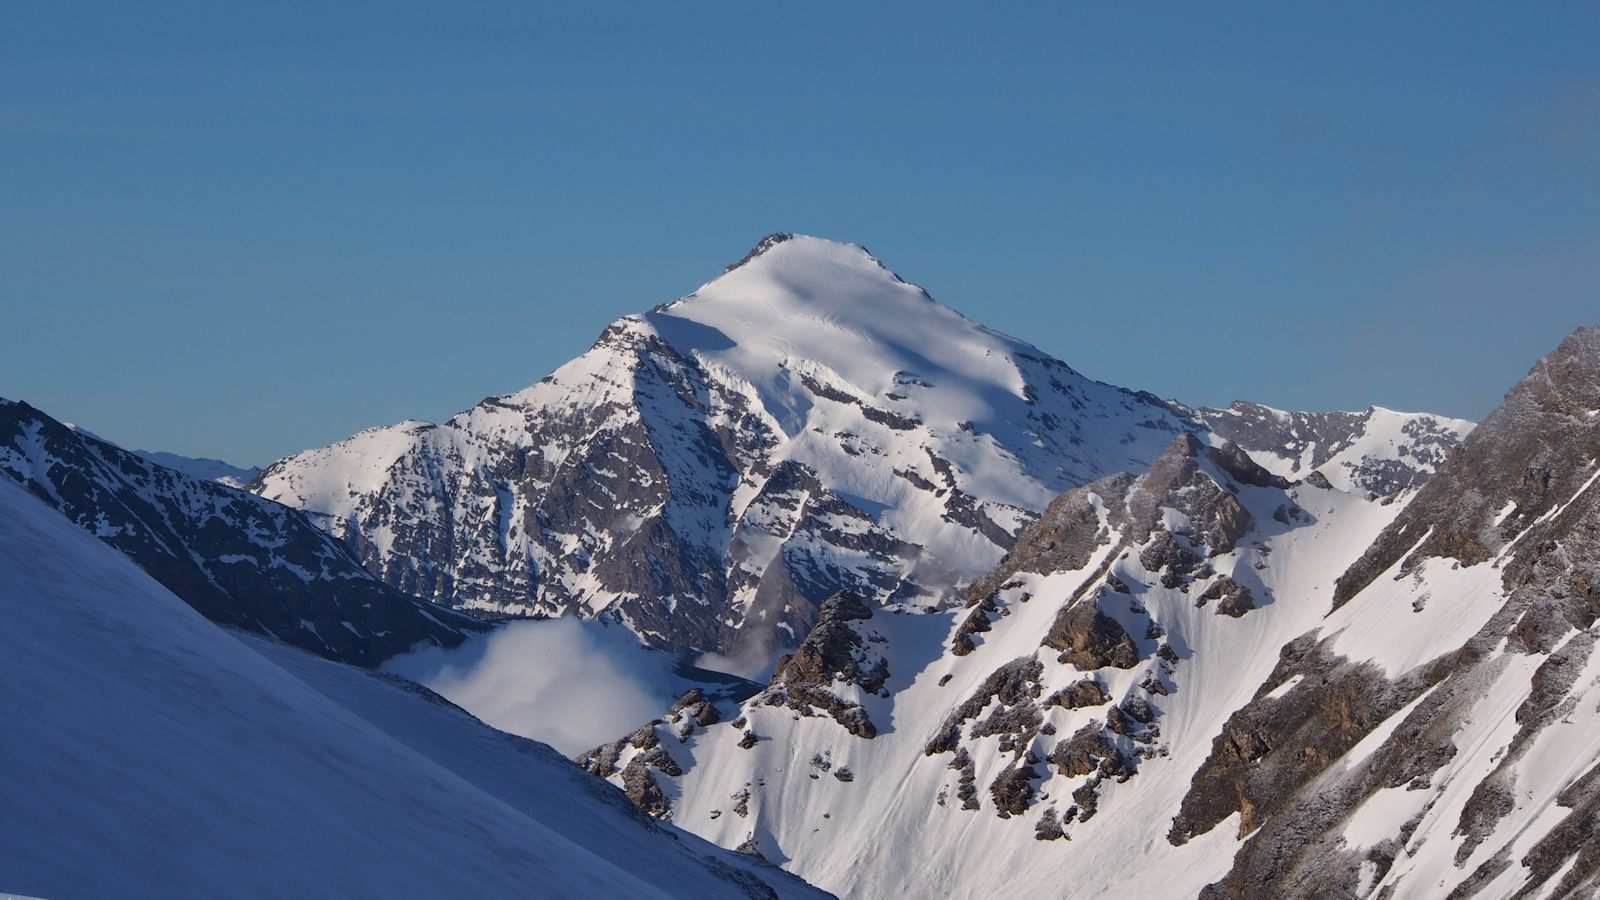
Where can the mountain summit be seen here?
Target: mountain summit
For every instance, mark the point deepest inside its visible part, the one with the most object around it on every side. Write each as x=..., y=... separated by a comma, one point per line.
x=711, y=470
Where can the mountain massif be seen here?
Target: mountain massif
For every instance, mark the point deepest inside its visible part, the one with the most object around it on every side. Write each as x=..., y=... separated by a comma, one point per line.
x=712, y=470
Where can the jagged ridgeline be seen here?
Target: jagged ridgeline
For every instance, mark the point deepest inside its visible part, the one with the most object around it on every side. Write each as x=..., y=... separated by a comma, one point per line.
x=1216, y=677
x=236, y=558
x=712, y=470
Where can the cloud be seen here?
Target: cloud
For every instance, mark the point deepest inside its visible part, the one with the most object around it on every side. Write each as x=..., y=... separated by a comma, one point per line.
x=570, y=683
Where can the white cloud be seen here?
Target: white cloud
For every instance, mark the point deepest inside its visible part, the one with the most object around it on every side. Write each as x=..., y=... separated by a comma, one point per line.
x=569, y=683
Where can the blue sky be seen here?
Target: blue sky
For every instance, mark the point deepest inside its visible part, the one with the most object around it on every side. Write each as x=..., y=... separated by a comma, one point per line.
x=239, y=233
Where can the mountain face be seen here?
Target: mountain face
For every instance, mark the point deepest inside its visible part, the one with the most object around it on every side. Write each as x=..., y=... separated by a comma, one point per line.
x=150, y=753
x=714, y=469
x=238, y=559
x=1205, y=680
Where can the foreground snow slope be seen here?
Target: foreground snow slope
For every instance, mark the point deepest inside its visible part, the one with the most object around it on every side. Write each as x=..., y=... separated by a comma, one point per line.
x=713, y=469
x=149, y=753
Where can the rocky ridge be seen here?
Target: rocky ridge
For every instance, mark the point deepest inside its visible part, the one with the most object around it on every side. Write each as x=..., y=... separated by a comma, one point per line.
x=236, y=558
x=1474, y=758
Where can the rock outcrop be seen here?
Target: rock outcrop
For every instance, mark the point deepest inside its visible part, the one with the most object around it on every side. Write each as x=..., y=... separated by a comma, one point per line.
x=834, y=655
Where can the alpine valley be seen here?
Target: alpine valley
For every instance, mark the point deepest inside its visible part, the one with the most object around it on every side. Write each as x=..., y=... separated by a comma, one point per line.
x=1009, y=631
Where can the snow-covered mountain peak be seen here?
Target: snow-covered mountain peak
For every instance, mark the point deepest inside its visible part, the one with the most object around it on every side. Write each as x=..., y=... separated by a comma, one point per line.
x=805, y=423
x=804, y=312
x=802, y=252
x=713, y=469
x=788, y=277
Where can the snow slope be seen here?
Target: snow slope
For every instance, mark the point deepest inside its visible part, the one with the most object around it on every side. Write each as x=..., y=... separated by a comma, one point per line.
x=904, y=803
x=149, y=753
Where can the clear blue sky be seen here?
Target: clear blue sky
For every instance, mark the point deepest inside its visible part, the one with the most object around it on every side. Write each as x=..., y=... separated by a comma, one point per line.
x=241, y=232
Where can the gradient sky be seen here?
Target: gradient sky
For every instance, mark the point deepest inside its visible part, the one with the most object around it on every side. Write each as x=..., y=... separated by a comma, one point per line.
x=240, y=233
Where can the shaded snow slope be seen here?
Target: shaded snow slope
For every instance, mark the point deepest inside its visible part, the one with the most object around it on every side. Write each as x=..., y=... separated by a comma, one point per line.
x=149, y=753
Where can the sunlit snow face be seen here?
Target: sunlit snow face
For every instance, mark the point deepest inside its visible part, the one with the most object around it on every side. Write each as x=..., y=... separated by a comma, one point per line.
x=572, y=684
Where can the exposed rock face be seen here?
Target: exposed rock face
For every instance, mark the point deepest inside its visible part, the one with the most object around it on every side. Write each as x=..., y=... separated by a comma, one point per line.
x=1233, y=598
x=1012, y=790
x=713, y=469
x=1090, y=639
x=1378, y=451
x=1013, y=687
x=1179, y=480
x=693, y=710
x=1087, y=752
x=977, y=622
x=834, y=654
x=1086, y=692
x=1063, y=538
x=1272, y=747
x=1189, y=478
x=237, y=559
x=637, y=778
x=762, y=246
